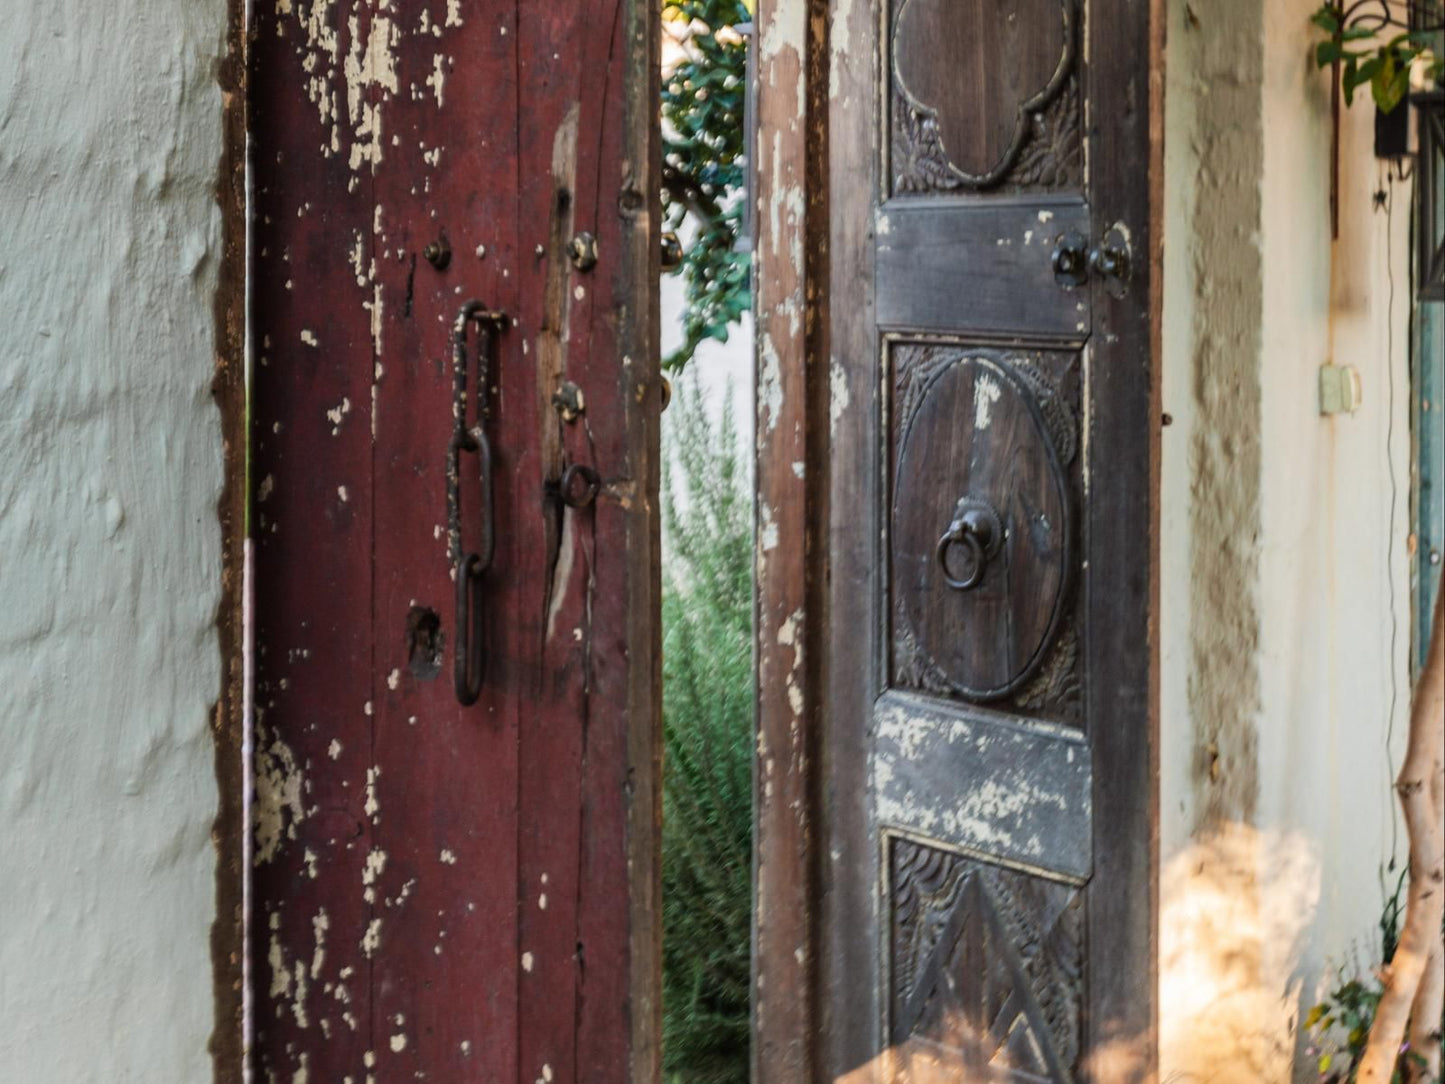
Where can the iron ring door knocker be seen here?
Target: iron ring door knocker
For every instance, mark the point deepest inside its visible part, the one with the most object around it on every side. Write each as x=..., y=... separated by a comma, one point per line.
x=469, y=568
x=977, y=529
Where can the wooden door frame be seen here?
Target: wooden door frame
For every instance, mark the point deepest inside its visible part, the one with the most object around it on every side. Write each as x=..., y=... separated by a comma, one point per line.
x=796, y=408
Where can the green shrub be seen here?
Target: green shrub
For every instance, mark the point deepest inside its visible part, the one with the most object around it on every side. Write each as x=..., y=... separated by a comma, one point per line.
x=707, y=728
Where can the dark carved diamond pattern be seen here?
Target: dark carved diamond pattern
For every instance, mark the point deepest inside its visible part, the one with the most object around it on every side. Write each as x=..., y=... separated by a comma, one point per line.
x=987, y=967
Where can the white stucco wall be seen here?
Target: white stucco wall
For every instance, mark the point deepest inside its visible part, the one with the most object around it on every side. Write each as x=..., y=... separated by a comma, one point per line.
x=110, y=136
x=1285, y=604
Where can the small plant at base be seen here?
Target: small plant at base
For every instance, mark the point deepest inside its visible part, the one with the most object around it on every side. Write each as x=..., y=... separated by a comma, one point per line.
x=1349, y=1009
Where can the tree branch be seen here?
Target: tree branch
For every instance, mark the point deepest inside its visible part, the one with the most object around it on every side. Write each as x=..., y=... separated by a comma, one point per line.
x=687, y=191
x=1414, y=980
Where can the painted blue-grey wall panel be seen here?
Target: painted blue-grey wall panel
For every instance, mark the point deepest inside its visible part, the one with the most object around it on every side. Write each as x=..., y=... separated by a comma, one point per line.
x=1429, y=387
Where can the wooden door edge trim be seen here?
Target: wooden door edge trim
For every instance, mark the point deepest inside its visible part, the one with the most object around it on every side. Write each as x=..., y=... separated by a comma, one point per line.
x=790, y=213
x=227, y=1045
x=639, y=337
x=1158, y=21
x=791, y=275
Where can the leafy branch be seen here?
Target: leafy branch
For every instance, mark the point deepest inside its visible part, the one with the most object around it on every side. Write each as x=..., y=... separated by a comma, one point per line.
x=1364, y=58
x=704, y=169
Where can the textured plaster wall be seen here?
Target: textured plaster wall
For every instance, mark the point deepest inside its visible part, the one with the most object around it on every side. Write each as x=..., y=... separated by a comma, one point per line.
x=1284, y=684
x=110, y=135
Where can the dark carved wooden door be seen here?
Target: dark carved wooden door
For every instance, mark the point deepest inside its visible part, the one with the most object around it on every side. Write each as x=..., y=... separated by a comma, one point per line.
x=988, y=899
x=455, y=419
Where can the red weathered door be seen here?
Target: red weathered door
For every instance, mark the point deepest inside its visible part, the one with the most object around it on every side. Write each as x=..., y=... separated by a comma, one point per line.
x=447, y=890
x=989, y=797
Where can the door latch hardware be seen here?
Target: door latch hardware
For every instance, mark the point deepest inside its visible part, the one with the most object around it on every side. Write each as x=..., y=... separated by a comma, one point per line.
x=579, y=486
x=1109, y=259
x=1071, y=260
x=978, y=531
x=438, y=253
x=469, y=568
x=583, y=250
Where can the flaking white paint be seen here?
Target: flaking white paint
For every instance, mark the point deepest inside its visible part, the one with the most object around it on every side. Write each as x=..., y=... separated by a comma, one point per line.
x=110, y=559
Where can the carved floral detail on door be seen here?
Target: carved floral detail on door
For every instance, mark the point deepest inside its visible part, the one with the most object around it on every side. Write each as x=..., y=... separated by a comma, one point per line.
x=946, y=56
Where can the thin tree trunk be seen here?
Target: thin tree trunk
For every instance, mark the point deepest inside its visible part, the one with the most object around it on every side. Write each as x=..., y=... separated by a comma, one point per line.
x=1414, y=980
x=1425, y=1015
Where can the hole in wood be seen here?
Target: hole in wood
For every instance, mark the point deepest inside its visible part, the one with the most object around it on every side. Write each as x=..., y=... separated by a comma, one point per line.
x=424, y=643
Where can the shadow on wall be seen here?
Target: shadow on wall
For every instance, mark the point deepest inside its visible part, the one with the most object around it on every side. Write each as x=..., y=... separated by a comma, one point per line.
x=1236, y=907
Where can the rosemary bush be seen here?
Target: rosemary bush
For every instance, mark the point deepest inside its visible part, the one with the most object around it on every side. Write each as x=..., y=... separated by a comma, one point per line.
x=707, y=734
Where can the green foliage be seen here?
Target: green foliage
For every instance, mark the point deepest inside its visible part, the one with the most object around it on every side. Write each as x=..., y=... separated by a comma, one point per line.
x=1348, y=1009
x=1341, y=1022
x=703, y=166
x=707, y=708
x=1364, y=58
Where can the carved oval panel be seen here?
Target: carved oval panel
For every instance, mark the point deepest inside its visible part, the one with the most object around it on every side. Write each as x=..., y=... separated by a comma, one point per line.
x=978, y=70
x=976, y=444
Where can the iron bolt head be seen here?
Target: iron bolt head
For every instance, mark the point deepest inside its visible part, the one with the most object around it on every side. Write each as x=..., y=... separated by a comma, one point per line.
x=568, y=401
x=438, y=253
x=583, y=251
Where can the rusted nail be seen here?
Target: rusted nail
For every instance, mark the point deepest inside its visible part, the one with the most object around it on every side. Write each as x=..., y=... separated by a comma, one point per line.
x=666, y=393
x=583, y=250
x=568, y=401
x=438, y=253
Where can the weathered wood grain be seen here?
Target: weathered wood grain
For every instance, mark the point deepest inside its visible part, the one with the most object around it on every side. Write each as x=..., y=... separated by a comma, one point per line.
x=471, y=891
x=932, y=274
x=790, y=212
x=970, y=263
x=984, y=783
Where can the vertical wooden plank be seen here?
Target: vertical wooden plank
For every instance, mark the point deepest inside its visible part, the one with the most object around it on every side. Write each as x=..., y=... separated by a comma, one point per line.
x=791, y=213
x=1121, y=521
x=312, y=526
x=556, y=156
x=590, y=765
x=632, y=697
x=620, y=1011
x=851, y=973
x=442, y=868
x=228, y=942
